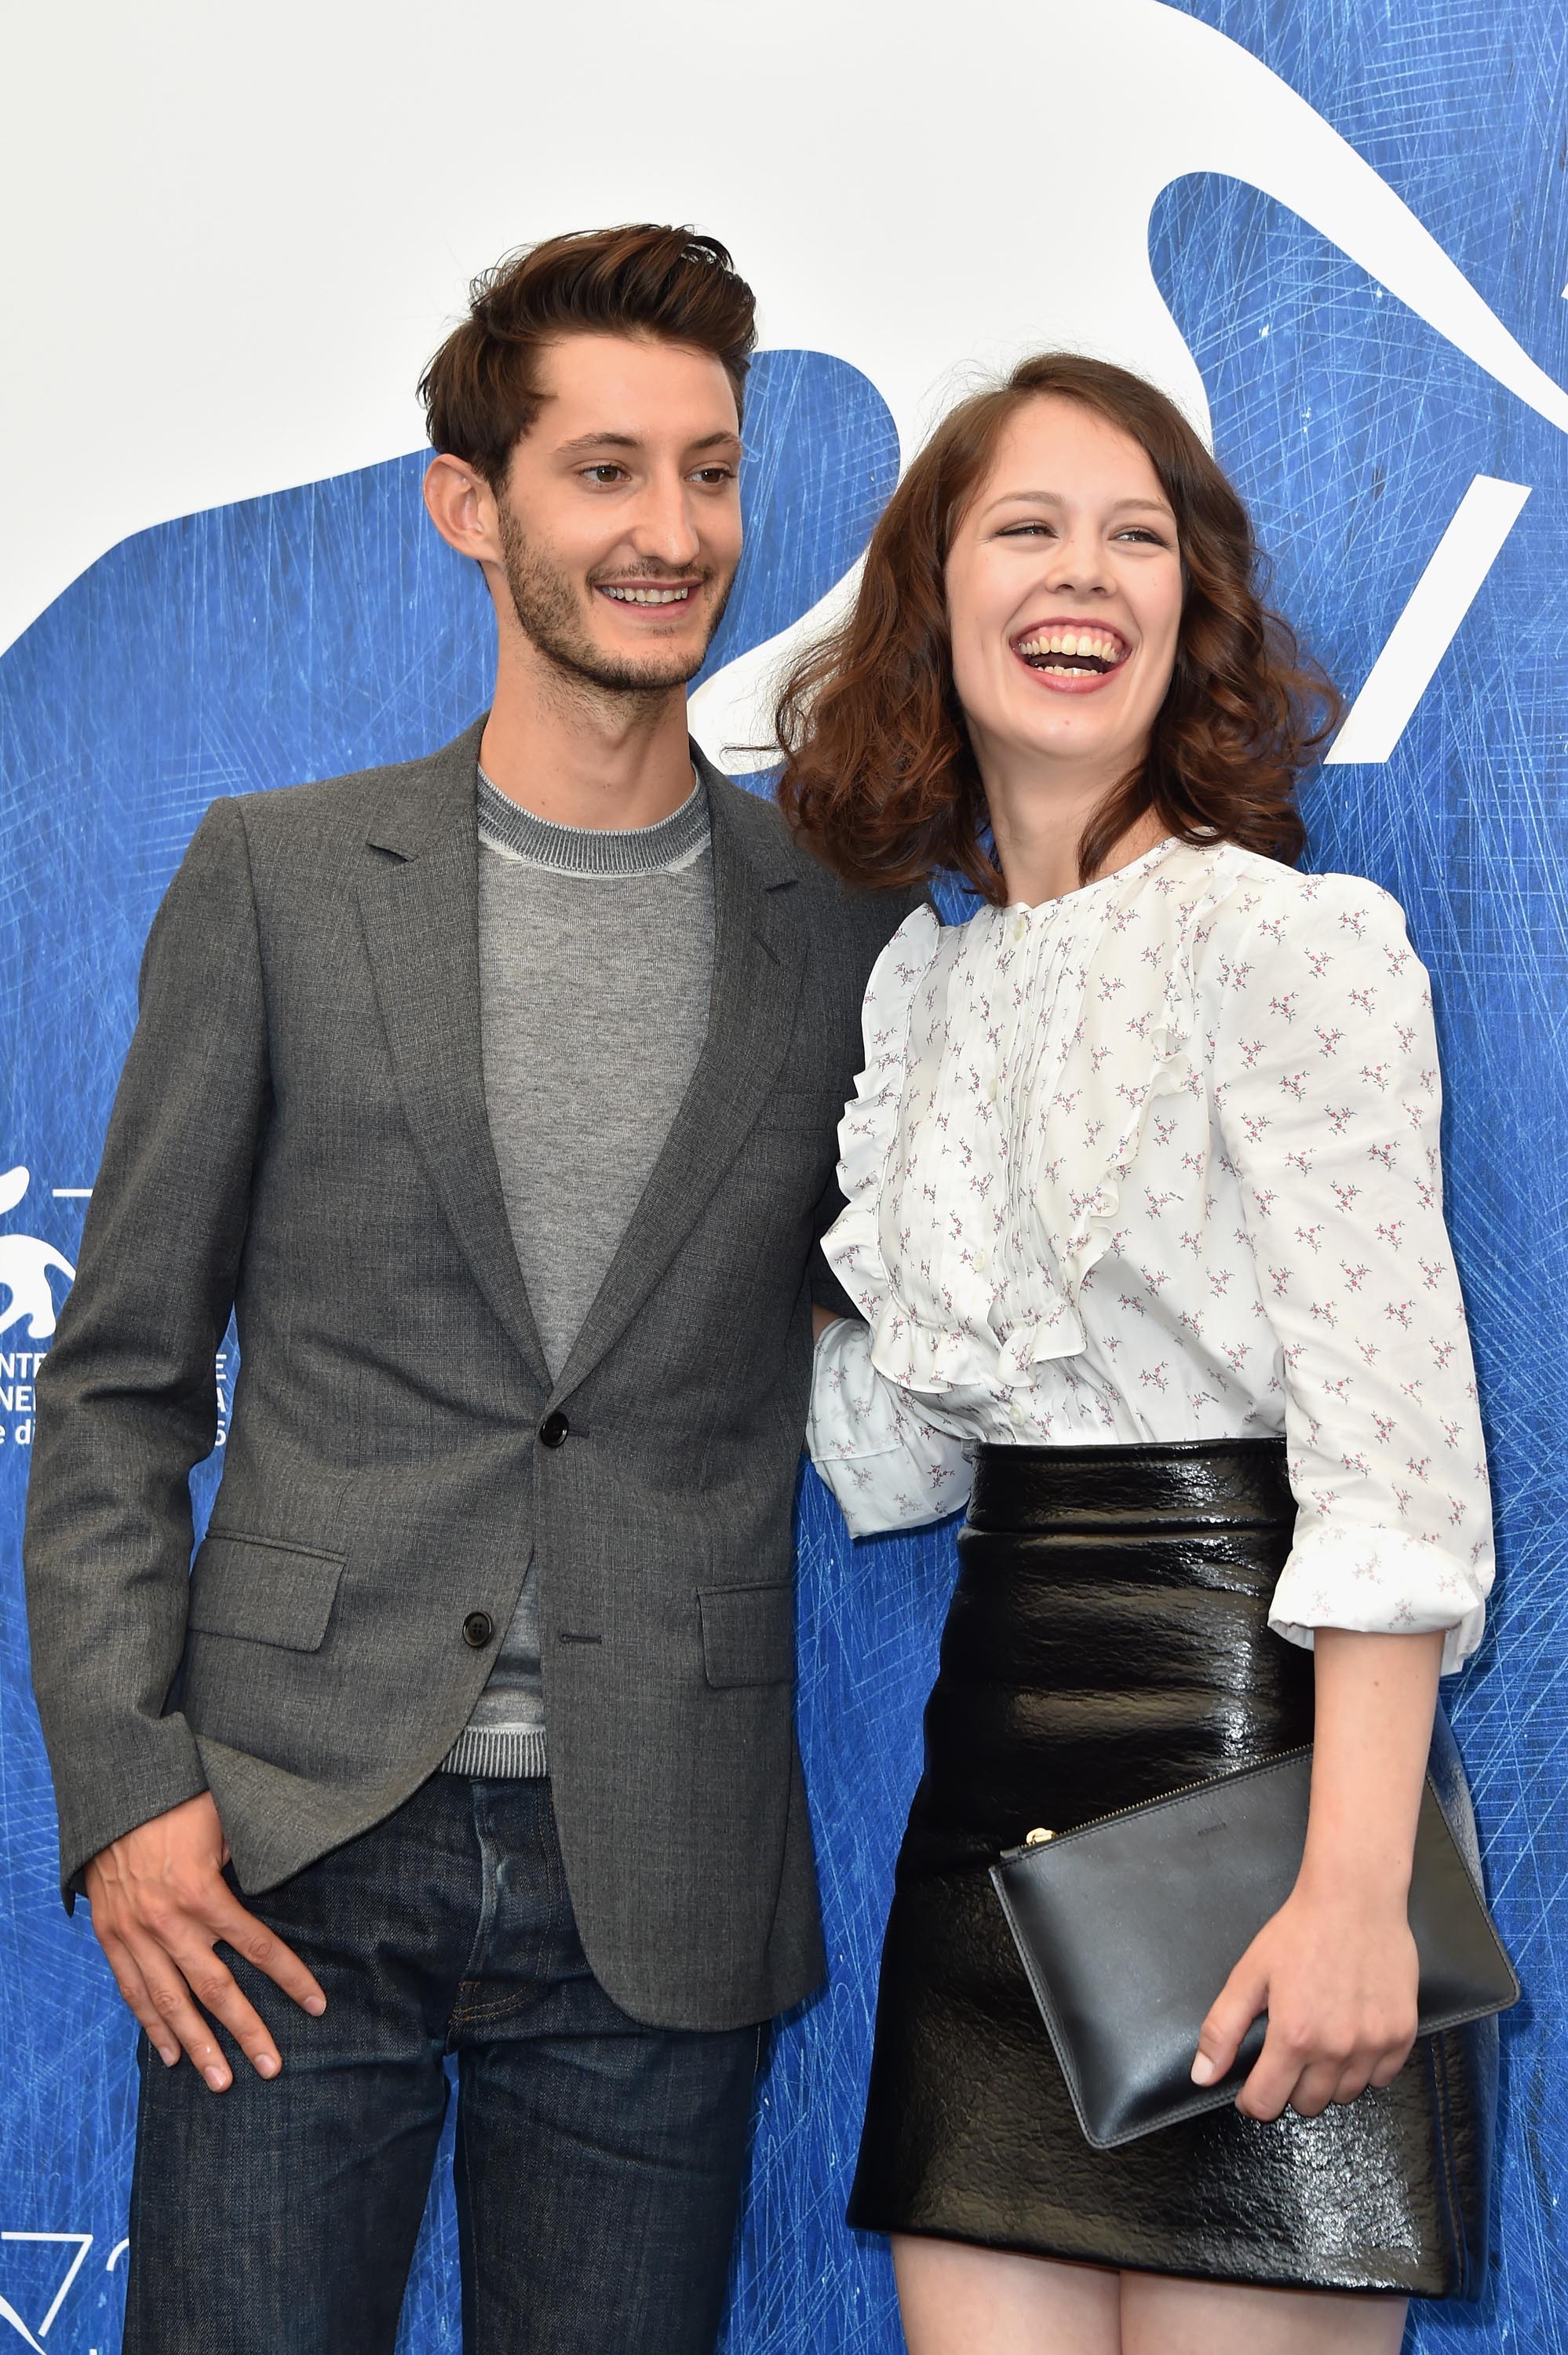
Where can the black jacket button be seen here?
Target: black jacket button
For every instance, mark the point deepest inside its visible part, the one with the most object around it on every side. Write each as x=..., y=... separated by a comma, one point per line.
x=477, y=1629
x=554, y=1429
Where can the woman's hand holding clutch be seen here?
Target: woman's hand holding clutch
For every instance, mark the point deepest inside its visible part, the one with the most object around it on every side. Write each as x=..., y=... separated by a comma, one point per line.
x=1336, y=1969
x=1337, y=1974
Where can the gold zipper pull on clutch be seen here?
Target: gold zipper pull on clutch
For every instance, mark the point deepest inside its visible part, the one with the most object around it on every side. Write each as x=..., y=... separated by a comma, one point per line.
x=1038, y=1836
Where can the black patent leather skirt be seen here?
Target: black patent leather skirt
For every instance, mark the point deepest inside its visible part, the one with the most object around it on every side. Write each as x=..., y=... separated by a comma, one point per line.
x=1108, y=1641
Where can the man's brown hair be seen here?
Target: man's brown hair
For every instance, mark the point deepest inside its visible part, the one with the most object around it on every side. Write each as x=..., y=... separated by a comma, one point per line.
x=879, y=775
x=673, y=285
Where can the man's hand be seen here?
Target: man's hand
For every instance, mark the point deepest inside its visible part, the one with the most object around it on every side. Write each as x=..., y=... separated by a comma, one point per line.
x=159, y=1905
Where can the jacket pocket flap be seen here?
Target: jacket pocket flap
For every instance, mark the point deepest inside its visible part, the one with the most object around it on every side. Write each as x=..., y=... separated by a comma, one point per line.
x=263, y=1589
x=749, y=1634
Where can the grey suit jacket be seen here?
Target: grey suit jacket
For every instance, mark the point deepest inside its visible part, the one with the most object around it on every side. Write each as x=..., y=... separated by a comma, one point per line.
x=300, y=1133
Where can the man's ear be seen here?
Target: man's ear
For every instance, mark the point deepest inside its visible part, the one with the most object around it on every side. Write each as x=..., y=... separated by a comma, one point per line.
x=462, y=507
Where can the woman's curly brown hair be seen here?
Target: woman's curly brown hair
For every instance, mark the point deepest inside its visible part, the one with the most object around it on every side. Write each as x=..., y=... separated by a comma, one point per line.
x=879, y=776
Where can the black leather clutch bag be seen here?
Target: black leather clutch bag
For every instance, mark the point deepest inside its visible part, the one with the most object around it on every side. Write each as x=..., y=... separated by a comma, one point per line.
x=1129, y=1927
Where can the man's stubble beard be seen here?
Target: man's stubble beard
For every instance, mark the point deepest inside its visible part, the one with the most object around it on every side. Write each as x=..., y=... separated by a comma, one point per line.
x=545, y=604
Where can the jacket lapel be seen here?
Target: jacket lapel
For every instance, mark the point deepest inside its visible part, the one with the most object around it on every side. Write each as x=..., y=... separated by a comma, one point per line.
x=419, y=906
x=759, y=957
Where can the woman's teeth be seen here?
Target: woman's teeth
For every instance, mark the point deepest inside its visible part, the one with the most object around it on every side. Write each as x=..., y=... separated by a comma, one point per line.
x=650, y=596
x=1071, y=650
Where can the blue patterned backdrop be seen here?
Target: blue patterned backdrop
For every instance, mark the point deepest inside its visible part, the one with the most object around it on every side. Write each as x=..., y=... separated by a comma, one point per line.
x=327, y=628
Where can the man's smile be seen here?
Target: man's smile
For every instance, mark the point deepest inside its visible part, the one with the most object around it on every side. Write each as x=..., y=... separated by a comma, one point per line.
x=646, y=593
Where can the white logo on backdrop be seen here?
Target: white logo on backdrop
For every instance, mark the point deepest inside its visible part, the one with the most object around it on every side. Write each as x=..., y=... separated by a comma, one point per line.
x=1201, y=104
x=81, y=2243
x=26, y=1264
x=27, y=1310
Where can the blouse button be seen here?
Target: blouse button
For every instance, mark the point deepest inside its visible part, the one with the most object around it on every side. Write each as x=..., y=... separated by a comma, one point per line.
x=978, y=1263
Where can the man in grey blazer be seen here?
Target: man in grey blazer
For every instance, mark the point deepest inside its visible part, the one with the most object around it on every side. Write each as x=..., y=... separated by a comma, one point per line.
x=496, y=1094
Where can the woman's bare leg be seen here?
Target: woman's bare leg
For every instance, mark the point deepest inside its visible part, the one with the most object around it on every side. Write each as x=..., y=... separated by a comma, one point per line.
x=957, y=2299
x=1163, y=2317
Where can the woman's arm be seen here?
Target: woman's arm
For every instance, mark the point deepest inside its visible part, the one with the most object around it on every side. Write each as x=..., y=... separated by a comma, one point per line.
x=1327, y=1093
x=1326, y=1090
x=1336, y=1967
x=890, y=1459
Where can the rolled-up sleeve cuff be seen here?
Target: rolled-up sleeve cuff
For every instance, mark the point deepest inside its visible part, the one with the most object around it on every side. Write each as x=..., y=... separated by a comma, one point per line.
x=888, y=1467
x=1378, y=1583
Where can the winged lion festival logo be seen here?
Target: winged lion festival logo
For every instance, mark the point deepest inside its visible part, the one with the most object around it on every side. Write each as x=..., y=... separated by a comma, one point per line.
x=1203, y=105
x=26, y=1295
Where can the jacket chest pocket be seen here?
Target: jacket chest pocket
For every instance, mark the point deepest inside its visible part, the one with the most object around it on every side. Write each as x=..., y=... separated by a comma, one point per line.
x=263, y=1590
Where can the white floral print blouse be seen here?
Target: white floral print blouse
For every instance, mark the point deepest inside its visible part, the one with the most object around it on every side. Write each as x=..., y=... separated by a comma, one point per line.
x=1158, y=1160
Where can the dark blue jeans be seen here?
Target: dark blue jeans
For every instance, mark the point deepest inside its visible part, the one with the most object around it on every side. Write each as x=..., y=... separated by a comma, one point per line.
x=599, y=2162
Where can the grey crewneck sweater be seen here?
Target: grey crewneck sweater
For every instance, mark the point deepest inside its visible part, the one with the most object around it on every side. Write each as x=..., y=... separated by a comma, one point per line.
x=595, y=963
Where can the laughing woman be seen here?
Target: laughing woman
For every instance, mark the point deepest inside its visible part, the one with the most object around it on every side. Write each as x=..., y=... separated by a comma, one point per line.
x=1144, y=1222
